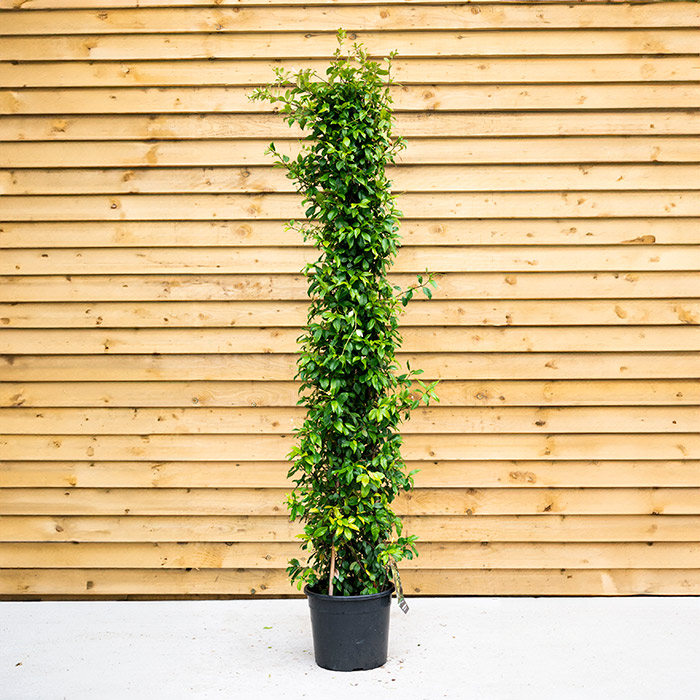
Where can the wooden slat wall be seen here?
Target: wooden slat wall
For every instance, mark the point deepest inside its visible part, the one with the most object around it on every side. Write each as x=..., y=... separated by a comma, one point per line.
x=150, y=297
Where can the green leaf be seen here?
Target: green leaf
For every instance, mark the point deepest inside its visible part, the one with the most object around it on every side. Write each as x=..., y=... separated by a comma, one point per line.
x=346, y=463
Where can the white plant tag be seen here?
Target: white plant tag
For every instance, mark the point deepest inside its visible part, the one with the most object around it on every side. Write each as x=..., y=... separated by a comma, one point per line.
x=399, y=589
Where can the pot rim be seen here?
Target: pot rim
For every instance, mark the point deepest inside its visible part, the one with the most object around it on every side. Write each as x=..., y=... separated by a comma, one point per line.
x=368, y=596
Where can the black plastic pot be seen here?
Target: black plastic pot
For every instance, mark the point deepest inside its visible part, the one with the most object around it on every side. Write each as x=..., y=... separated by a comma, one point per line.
x=351, y=633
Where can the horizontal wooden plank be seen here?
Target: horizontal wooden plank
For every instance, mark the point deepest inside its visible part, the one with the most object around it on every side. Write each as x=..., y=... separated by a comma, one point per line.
x=565, y=582
x=469, y=474
x=251, y=260
x=254, y=314
x=417, y=71
x=414, y=232
x=287, y=206
x=435, y=420
x=542, y=149
x=456, y=501
x=465, y=339
x=435, y=528
x=370, y=17
x=134, y=582
x=453, y=285
x=438, y=178
x=409, y=125
x=75, y=582
x=630, y=372
x=86, y=391
x=304, y=44
x=273, y=555
x=103, y=4
x=459, y=446
x=430, y=97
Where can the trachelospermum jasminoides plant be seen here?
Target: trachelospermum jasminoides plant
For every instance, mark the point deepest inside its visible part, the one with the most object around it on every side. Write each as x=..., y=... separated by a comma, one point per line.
x=347, y=465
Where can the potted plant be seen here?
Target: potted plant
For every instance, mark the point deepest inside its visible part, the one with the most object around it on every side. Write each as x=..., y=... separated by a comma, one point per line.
x=346, y=465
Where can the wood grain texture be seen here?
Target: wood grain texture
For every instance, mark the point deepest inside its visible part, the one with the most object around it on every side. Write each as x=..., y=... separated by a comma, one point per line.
x=249, y=582
x=464, y=286
x=269, y=501
x=425, y=71
x=167, y=388
x=280, y=420
x=414, y=232
x=254, y=206
x=314, y=18
x=101, y=4
x=407, y=98
x=457, y=473
x=444, y=446
x=253, y=260
x=150, y=297
x=441, y=150
x=275, y=555
x=277, y=528
x=405, y=179
x=296, y=44
x=421, y=124
x=242, y=314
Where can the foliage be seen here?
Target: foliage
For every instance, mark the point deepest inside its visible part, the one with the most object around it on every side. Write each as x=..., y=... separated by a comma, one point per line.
x=347, y=465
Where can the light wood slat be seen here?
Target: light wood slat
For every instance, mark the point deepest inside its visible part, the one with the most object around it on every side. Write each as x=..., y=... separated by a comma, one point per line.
x=422, y=124
x=414, y=232
x=315, y=19
x=472, y=474
x=254, y=314
x=103, y=4
x=244, y=528
x=425, y=71
x=163, y=394
x=283, y=340
x=479, y=367
x=478, y=16
x=323, y=45
x=281, y=367
x=429, y=97
x=158, y=394
x=76, y=583
x=417, y=447
x=272, y=555
x=473, y=502
x=565, y=582
x=251, y=421
x=129, y=582
x=571, y=149
x=283, y=206
x=531, y=285
x=436, y=528
x=501, y=178
x=252, y=260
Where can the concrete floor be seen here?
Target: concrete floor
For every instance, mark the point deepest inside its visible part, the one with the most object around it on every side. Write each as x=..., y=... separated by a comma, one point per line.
x=480, y=648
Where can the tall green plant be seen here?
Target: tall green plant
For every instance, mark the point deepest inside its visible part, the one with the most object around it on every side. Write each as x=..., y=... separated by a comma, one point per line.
x=347, y=465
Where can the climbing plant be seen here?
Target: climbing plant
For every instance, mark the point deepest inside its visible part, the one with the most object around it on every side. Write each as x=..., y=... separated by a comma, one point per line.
x=346, y=463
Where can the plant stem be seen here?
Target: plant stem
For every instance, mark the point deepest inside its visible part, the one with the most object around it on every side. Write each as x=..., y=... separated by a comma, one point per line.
x=332, y=576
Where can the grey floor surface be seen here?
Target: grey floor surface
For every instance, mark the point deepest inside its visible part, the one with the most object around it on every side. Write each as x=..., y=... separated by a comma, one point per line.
x=480, y=648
